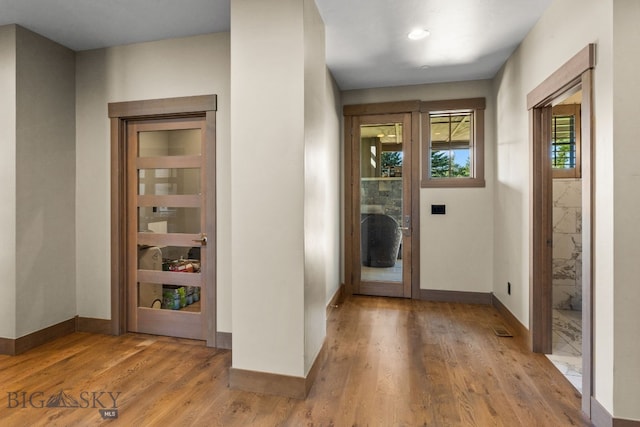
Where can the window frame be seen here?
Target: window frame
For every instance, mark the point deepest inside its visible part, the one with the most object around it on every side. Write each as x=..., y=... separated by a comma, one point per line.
x=568, y=110
x=474, y=105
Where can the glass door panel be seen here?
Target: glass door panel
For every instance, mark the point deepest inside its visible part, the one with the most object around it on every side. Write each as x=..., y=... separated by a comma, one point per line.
x=383, y=208
x=381, y=202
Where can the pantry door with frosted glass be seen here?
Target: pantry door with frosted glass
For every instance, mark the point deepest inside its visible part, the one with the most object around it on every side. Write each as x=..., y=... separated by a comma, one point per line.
x=167, y=227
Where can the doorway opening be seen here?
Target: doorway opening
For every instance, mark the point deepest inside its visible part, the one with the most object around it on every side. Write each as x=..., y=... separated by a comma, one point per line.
x=565, y=153
x=163, y=217
x=558, y=155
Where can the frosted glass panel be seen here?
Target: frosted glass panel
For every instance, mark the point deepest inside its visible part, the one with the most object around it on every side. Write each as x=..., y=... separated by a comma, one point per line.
x=165, y=182
x=162, y=219
x=183, y=142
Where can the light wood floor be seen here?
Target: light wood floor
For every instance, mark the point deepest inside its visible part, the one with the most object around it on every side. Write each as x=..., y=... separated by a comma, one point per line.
x=391, y=362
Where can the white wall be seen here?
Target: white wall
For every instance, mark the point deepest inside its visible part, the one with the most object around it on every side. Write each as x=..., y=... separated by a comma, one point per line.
x=626, y=176
x=612, y=25
x=8, y=180
x=455, y=249
x=37, y=138
x=169, y=68
x=267, y=122
x=333, y=208
x=45, y=183
x=549, y=45
x=317, y=193
x=286, y=168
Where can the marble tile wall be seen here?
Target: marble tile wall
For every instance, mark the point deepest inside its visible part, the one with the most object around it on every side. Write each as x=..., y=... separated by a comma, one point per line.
x=567, y=244
x=567, y=345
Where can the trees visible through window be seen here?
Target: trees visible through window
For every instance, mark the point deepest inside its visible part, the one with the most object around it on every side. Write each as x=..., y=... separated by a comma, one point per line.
x=565, y=141
x=453, y=143
x=563, y=144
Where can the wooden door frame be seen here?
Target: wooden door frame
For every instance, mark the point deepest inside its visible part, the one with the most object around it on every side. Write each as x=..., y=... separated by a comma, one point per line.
x=120, y=113
x=350, y=113
x=578, y=71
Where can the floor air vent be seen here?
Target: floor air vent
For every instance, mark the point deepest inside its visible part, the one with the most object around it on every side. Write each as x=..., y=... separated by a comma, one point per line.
x=501, y=331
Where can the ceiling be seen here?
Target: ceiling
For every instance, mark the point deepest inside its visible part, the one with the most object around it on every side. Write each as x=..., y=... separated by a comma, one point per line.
x=367, y=44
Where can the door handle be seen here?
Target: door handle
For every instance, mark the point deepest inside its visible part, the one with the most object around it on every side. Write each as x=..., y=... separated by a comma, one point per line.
x=202, y=239
x=407, y=222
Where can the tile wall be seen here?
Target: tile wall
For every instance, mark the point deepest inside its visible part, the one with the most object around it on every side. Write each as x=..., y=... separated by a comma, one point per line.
x=567, y=244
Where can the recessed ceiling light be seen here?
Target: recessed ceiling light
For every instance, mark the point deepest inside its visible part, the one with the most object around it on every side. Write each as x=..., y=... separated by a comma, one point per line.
x=418, y=34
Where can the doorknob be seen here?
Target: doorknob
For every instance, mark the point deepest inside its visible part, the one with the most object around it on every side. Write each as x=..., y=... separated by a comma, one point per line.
x=202, y=239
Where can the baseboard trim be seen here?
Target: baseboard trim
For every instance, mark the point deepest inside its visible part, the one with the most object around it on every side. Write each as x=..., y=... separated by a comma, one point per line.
x=276, y=384
x=483, y=298
x=337, y=299
x=93, y=325
x=315, y=368
x=23, y=344
x=12, y=347
x=600, y=417
x=7, y=347
x=517, y=328
x=224, y=340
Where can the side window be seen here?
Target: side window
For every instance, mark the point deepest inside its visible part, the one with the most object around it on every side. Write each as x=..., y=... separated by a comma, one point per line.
x=565, y=141
x=453, y=143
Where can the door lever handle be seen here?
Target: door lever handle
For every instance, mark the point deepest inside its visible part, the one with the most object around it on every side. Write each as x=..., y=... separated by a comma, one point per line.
x=202, y=240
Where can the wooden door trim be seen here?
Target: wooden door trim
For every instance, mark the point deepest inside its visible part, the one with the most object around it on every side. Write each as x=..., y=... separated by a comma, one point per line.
x=383, y=108
x=540, y=293
x=415, y=205
x=351, y=118
x=563, y=78
x=348, y=206
x=120, y=114
x=578, y=71
x=587, y=158
x=163, y=107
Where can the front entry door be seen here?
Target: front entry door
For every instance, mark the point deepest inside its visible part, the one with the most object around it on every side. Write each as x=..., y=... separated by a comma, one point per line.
x=167, y=227
x=381, y=209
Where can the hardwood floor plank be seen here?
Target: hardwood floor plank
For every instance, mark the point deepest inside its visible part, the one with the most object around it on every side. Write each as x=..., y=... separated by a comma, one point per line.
x=390, y=362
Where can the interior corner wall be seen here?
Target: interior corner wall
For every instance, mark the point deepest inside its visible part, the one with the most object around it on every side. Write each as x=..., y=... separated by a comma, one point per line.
x=333, y=207
x=45, y=183
x=626, y=299
x=547, y=47
x=319, y=195
x=188, y=66
x=267, y=166
x=466, y=231
x=8, y=180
